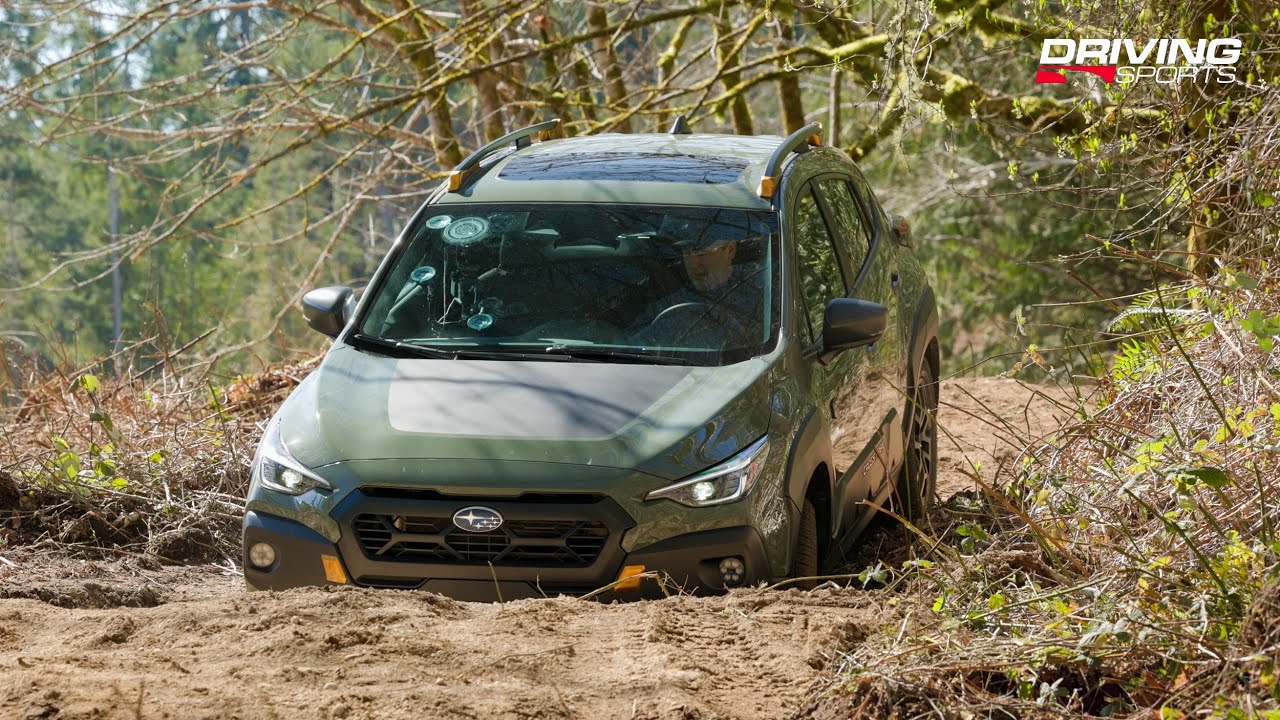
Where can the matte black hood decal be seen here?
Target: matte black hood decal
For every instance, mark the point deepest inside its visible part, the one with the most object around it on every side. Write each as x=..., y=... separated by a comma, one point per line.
x=560, y=400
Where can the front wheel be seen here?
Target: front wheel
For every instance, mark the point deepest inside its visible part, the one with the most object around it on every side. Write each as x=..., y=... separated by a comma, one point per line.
x=806, y=564
x=918, y=481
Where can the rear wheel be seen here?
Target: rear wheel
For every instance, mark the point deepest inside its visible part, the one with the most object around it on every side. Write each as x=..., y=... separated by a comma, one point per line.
x=806, y=565
x=919, y=478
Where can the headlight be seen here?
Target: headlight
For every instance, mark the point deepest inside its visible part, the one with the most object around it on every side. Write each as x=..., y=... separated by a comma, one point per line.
x=730, y=480
x=276, y=468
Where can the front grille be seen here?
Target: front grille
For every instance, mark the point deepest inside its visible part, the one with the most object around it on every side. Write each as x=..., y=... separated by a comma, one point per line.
x=528, y=543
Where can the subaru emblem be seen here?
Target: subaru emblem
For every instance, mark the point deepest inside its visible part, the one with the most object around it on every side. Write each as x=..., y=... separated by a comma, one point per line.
x=477, y=519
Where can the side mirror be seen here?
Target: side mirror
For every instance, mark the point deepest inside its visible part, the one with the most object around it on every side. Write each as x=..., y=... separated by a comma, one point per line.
x=901, y=229
x=850, y=323
x=328, y=309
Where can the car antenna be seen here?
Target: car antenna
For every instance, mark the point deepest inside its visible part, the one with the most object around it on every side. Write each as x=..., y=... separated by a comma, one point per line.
x=680, y=126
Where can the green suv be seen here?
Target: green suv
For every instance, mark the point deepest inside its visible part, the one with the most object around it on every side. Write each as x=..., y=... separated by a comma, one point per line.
x=635, y=362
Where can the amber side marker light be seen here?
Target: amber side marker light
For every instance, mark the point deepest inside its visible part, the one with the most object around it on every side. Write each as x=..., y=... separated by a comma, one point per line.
x=629, y=578
x=457, y=178
x=333, y=571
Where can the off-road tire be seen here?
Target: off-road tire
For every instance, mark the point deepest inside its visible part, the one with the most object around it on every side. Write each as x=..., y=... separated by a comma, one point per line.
x=806, y=564
x=918, y=481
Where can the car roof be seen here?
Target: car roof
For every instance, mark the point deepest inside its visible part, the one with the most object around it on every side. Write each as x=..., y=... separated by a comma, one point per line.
x=643, y=169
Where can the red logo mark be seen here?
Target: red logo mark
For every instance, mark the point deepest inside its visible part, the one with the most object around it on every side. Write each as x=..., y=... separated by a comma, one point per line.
x=1049, y=75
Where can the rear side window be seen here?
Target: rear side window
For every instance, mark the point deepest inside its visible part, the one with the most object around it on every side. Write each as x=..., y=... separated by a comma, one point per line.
x=869, y=201
x=851, y=225
x=821, y=279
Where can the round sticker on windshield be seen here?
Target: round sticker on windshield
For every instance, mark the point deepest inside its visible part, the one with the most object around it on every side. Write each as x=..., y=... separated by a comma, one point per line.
x=439, y=221
x=479, y=321
x=466, y=231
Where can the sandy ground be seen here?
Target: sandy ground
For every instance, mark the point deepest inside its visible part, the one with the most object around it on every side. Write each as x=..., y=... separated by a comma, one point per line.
x=128, y=639
x=985, y=424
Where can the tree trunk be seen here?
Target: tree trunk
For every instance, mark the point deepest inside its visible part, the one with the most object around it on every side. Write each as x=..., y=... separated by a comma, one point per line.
x=606, y=61
x=789, y=99
x=443, y=140
x=117, y=290
x=554, y=97
x=727, y=57
x=486, y=84
x=667, y=62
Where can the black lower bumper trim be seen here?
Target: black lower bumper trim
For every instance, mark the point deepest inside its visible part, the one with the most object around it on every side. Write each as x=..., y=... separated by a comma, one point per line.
x=298, y=550
x=691, y=563
x=686, y=564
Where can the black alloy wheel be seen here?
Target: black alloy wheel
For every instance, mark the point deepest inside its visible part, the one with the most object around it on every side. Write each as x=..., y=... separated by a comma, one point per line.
x=919, y=479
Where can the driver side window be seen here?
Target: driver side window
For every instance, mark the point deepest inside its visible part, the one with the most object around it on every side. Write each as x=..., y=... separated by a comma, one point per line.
x=821, y=279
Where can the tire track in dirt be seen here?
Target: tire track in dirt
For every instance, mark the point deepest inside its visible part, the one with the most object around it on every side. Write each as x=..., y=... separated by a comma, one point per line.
x=351, y=652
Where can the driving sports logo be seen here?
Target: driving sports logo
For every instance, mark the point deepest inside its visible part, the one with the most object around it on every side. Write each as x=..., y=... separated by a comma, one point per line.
x=1163, y=60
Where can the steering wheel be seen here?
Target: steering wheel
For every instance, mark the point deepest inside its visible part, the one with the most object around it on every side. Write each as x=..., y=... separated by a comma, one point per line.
x=677, y=309
x=663, y=330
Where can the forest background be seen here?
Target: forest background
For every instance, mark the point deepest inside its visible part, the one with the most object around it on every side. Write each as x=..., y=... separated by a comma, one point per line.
x=173, y=175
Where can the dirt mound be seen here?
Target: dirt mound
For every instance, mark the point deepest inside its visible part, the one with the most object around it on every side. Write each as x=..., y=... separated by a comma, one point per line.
x=86, y=594
x=364, y=653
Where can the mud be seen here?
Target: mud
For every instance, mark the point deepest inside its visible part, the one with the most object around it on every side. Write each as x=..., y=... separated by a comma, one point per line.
x=132, y=639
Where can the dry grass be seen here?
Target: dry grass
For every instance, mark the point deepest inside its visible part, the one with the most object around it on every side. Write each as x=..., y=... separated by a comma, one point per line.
x=118, y=466
x=1137, y=576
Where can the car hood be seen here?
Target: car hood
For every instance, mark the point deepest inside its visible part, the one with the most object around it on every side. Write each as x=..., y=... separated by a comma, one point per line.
x=662, y=419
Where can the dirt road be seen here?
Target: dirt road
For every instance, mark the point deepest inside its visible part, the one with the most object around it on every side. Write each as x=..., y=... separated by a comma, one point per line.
x=127, y=639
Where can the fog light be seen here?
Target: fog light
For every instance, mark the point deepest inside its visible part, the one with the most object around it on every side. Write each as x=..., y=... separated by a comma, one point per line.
x=262, y=555
x=732, y=571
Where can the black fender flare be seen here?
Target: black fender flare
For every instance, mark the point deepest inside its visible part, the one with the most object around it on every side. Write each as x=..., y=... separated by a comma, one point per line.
x=810, y=449
x=924, y=330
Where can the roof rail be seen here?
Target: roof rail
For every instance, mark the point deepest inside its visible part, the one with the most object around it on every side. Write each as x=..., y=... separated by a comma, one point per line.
x=680, y=126
x=797, y=142
x=521, y=138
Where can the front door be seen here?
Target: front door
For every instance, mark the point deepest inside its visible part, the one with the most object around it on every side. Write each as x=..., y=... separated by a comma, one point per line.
x=824, y=272
x=867, y=411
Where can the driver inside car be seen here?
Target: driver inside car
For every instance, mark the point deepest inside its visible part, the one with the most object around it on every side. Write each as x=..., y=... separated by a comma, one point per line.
x=718, y=306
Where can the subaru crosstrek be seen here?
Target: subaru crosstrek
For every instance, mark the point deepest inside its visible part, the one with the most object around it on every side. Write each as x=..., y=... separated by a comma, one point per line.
x=645, y=363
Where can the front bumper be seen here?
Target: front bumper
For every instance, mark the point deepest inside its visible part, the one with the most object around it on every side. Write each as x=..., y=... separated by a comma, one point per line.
x=413, y=559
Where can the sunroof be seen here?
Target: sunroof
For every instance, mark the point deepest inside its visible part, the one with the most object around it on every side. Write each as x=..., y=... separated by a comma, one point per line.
x=628, y=166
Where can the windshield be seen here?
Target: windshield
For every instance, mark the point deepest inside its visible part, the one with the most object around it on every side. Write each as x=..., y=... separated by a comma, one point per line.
x=630, y=283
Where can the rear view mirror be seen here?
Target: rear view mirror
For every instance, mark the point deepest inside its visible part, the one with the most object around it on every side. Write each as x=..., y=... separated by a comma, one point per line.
x=850, y=323
x=328, y=309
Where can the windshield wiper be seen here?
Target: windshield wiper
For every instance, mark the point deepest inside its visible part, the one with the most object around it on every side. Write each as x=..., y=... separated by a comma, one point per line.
x=398, y=348
x=401, y=348
x=600, y=354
